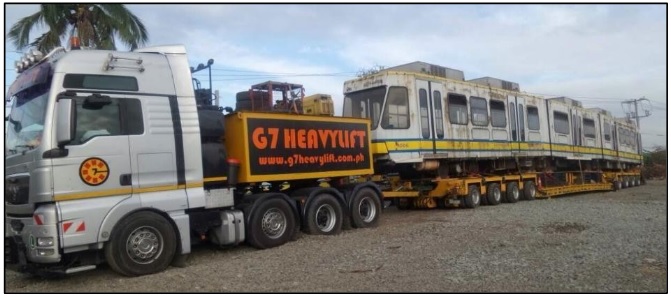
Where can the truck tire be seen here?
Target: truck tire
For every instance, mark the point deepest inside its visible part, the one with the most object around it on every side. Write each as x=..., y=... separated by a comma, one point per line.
x=617, y=184
x=512, y=192
x=142, y=243
x=365, y=209
x=493, y=194
x=271, y=224
x=472, y=200
x=323, y=215
x=529, y=190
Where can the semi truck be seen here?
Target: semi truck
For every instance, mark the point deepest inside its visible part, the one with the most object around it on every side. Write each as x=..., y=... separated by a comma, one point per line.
x=112, y=157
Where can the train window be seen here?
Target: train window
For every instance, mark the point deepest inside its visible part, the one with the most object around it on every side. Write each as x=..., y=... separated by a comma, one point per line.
x=458, y=109
x=606, y=131
x=396, y=111
x=424, y=113
x=561, y=123
x=588, y=128
x=498, y=109
x=358, y=104
x=533, y=119
x=438, y=117
x=479, y=111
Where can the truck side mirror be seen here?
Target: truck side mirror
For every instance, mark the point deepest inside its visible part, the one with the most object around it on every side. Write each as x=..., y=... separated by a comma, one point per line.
x=65, y=121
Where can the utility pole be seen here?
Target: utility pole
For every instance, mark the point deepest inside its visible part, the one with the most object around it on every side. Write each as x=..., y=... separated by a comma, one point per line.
x=635, y=115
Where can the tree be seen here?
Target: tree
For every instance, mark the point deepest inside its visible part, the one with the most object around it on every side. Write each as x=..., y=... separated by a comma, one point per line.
x=96, y=25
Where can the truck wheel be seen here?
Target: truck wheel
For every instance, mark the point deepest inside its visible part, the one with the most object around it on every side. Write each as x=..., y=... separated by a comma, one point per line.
x=493, y=194
x=365, y=209
x=512, y=192
x=142, y=243
x=472, y=200
x=617, y=184
x=271, y=224
x=323, y=215
x=529, y=190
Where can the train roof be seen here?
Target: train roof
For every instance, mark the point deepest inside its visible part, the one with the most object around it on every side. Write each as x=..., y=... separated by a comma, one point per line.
x=567, y=100
x=431, y=69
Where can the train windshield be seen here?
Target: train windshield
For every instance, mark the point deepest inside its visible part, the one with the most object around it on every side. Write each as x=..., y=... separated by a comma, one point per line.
x=29, y=96
x=365, y=104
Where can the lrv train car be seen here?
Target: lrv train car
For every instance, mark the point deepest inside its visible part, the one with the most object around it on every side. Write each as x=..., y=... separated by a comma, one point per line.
x=429, y=122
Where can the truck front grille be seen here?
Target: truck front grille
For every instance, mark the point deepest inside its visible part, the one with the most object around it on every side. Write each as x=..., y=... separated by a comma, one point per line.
x=16, y=190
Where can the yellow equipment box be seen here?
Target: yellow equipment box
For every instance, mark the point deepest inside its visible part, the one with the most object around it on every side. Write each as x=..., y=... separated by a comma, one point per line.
x=284, y=147
x=318, y=104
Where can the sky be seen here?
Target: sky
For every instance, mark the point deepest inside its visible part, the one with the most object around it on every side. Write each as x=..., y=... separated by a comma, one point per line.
x=598, y=54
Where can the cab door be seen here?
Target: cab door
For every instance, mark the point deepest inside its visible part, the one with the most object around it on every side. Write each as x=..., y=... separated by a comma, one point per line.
x=91, y=167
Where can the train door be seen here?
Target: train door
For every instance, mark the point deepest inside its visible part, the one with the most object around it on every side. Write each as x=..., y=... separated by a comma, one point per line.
x=515, y=136
x=576, y=125
x=431, y=114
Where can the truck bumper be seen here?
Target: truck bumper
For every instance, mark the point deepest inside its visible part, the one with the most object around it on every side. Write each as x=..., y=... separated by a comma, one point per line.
x=30, y=244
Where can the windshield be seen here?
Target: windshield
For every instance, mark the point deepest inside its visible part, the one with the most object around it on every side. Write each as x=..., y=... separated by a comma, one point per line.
x=25, y=122
x=365, y=104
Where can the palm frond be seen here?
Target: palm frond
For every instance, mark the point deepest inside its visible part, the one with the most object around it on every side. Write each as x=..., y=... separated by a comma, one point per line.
x=20, y=32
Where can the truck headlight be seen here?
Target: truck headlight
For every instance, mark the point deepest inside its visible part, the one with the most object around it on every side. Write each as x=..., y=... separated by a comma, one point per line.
x=45, y=241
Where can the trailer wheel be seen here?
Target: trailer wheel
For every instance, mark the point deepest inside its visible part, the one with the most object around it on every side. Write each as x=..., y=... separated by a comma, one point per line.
x=271, y=224
x=638, y=181
x=512, y=192
x=365, y=208
x=323, y=215
x=617, y=184
x=142, y=243
x=529, y=190
x=493, y=194
x=472, y=200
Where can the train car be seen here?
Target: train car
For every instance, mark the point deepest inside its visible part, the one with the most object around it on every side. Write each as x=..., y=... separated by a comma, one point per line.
x=428, y=121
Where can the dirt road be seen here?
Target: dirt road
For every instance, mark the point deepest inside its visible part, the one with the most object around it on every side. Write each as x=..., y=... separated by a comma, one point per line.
x=596, y=242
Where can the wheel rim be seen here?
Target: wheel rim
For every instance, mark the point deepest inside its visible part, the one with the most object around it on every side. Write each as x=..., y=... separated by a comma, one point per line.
x=367, y=209
x=475, y=198
x=144, y=245
x=532, y=191
x=516, y=193
x=273, y=223
x=326, y=218
x=497, y=195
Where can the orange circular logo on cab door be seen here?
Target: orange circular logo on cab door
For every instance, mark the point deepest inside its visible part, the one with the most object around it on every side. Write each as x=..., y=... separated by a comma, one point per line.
x=94, y=171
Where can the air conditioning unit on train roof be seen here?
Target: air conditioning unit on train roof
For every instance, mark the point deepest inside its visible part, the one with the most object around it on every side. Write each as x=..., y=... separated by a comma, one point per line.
x=431, y=69
x=569, y=101
x=496, y=83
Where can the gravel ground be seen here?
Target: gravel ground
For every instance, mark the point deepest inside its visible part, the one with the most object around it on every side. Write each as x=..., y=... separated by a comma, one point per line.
x=597, y=242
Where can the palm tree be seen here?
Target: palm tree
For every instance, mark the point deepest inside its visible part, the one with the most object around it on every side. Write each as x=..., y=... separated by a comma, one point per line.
x=96, y=25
